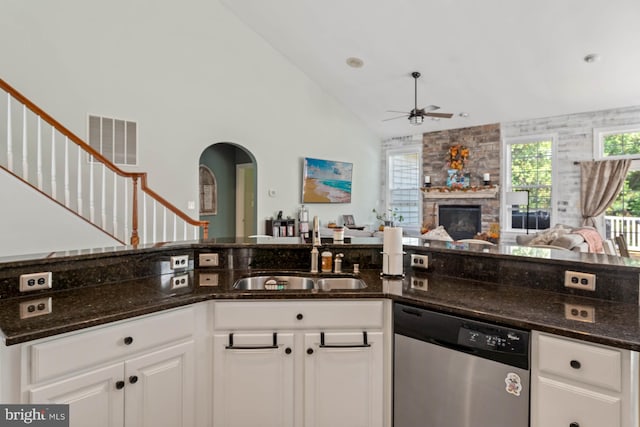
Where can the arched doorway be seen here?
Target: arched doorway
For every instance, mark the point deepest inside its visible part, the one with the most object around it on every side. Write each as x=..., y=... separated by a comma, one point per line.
x=228, y=195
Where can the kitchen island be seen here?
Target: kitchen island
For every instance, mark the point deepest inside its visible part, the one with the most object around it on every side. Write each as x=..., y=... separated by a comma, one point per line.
x=96, y=291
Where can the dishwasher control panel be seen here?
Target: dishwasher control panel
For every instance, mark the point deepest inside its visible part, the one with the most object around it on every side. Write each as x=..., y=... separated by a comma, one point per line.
x=491, y=339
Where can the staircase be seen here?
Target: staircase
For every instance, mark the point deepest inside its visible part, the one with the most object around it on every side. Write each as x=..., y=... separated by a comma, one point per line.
x=43, y=154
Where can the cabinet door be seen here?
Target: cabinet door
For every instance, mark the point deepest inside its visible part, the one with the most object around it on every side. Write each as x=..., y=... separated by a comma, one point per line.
x=253, y=380
x=160, y=388
x=560, y=404
x=343, y=380
x=93, y=398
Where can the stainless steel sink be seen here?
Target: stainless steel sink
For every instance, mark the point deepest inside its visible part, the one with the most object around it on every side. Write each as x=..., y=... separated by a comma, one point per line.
x=327, y=284
x=274, y=283
x=286, y=282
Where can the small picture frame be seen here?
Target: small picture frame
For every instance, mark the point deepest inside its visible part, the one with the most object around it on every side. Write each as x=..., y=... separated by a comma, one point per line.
x=348, y=220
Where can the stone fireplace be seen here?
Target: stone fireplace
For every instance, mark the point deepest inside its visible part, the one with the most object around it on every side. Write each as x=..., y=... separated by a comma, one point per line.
x=483, y=143
x=460, y=221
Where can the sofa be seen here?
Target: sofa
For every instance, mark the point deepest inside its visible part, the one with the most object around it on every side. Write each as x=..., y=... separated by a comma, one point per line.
x=564, y=237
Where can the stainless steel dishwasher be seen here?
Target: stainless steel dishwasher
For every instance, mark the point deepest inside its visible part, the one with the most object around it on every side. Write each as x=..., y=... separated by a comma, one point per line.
x=454, y=372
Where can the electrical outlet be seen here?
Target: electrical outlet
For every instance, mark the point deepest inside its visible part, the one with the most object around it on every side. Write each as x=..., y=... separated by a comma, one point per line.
x=581, y=313
x=181, y=281
x=179, y=262
x=35, y=281
x=35, y=307
x=208, y=260
x=208, y=279
x=419, y=261
x=577, y=280
x=419, y=283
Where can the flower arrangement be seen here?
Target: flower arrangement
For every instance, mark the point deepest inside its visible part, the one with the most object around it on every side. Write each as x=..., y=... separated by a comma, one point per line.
x=389, y=217
x=458, y=154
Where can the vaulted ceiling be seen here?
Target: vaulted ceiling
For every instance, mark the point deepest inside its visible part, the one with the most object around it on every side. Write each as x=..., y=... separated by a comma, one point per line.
x=495, y=60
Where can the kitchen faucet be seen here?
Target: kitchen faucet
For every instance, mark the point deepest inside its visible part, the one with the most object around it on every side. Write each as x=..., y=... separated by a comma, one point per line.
x=315, y=242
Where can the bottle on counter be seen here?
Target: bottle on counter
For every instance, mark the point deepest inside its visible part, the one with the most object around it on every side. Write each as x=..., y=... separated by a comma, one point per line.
x=326, y=262
x=314, y=259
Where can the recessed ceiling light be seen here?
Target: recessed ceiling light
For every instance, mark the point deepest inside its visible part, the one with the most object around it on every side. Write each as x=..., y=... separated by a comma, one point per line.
x=591, y=58
x=354, y=62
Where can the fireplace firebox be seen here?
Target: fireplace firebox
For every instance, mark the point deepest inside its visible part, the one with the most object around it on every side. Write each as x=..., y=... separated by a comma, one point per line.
x=460, y=221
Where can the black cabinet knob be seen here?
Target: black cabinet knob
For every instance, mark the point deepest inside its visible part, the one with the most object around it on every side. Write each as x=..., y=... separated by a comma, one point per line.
x=575, y=365
x=574, y=424
x=299, y=316
x=128, y=340
x=119, y=385
x=287, y=350
x=133, y=379
x=309, y=351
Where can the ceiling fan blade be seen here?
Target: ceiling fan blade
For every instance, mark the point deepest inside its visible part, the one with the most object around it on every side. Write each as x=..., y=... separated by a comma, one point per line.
x=439, y=115
x=393, y=118
x=431, y=108
x=394, y=111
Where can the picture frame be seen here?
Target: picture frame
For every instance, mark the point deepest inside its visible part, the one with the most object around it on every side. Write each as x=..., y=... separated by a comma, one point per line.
x=326, y=181
x=348, y=220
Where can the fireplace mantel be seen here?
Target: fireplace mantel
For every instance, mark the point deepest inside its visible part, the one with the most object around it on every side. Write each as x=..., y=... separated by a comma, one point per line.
x=484, y=192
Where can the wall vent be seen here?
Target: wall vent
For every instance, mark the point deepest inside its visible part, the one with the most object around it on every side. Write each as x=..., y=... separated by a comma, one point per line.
x=115, y=139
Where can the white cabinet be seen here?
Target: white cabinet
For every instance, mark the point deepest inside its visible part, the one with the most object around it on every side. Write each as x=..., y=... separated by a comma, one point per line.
x=304, y=363
x=149, y=388
x=253, y=379
x=93, y=397
x=343, y=381
x=579, y=384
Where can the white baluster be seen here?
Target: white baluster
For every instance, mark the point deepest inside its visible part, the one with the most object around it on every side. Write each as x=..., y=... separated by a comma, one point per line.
x=126, y=210
x=39, y=154
x=54, y=182
x=103, y=197
x=153, y=236
x=144, y=217
x=115, y=205
x=9, y=135
x=164, y=224
x=92, y=206
x=79, y=181
x=175, y=227
x=25, y=164
x=184, y=233
x=196, y=232
x=67, y=190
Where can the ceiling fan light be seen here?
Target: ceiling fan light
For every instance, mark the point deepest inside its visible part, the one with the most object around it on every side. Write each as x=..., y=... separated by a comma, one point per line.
x=416, y=120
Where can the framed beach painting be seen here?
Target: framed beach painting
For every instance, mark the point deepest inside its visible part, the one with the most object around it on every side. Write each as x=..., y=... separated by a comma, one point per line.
x=326, y=181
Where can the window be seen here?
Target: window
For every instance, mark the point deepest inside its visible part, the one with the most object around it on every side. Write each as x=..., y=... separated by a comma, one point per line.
x=404, y=182
x=619, y=142
x=530, y=168
x=623, y=216
x=115, y=139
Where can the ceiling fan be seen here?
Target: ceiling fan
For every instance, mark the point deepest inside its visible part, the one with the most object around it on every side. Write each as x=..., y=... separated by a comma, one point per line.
x=416, y=116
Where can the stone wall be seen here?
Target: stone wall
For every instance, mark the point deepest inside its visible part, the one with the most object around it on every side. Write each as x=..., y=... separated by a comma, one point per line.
x=484, y=145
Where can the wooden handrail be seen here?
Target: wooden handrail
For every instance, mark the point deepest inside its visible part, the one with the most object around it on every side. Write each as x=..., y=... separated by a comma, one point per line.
x=133, y=175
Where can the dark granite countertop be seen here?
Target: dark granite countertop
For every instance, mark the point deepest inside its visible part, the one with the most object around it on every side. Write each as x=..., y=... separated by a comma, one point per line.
x=616, y=324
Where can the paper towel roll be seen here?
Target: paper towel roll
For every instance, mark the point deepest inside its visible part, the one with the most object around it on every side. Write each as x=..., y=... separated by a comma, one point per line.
x=392, y=264
x=392, y=242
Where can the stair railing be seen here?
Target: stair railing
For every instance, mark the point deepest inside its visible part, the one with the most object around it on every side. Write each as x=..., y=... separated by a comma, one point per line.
x=91, y=186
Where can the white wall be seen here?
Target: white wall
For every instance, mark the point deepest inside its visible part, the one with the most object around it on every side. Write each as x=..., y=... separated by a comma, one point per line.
x=32, y=223
x=191, y=75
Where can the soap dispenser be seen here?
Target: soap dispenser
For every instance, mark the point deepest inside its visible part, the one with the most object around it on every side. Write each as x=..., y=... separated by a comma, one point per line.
x=314, y=259
x=337, y=263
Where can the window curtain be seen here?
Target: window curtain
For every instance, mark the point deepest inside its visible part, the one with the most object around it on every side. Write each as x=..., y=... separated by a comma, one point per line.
x=600, y=184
